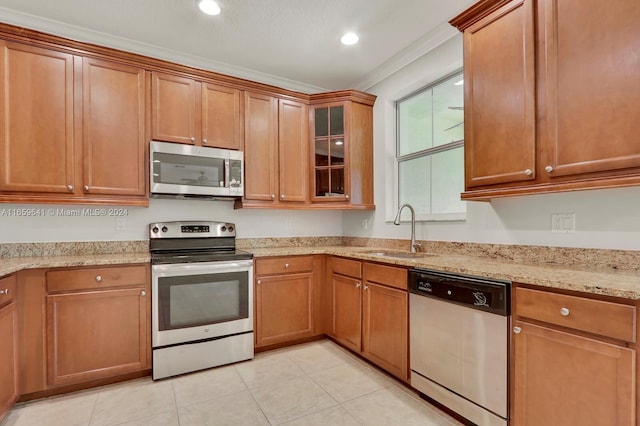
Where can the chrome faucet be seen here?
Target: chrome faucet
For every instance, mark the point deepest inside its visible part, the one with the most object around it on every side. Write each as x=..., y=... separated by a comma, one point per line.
x=396, y=221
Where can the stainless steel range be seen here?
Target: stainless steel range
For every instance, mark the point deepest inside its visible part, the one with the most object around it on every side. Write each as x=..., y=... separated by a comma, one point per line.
x=202, y=297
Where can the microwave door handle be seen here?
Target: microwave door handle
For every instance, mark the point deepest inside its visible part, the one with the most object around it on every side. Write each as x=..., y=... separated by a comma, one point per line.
x=227, y=177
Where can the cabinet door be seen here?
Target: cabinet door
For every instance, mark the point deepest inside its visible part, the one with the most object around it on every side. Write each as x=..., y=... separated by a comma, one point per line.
x=564, y=379
x=221, y=117
x=499, y=84
x=592, y=85
x=330, y=152
x=293, y=128
x=113, y=128
x=284, y=308
x=347, y=314
x=92, y=335
x=175, y=109
x=9, y=356
x=36, y=119
x=385, y=338
x=260, y=147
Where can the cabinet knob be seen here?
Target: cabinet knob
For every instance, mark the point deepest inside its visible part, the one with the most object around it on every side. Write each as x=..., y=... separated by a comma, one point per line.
x=86, y=188
x=346, y=196
x=286, y=265
x=528, y=172
x=564, y=312
x=70, y=188
x=204, y=141
x=366, y=287
x=357, y=284
x=273, y=196
x=98, y=278
x=548, y=169
x=143, y=293
x=259, y=282
x=282, y=196
x=517, y=330
x=193, y=139
x=5, y=291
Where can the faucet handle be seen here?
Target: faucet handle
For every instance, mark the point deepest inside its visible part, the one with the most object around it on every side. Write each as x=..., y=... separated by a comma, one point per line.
x=417, y=246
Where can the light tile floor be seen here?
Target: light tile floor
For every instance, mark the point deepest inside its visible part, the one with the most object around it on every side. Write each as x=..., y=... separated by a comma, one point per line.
x=317, y=383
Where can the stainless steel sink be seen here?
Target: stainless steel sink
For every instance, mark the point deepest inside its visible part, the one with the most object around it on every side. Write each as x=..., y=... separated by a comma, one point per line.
x=399, y=254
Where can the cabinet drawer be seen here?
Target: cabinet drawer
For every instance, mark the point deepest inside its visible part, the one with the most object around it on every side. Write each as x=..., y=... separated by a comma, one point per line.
x=92, y=278
x=7, y=289
x=594, y=316
x=283, y=265
x=348, y=267
x=387, y=275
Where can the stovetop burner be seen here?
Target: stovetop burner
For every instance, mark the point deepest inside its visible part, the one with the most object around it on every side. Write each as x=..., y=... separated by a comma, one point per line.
x=194, y=241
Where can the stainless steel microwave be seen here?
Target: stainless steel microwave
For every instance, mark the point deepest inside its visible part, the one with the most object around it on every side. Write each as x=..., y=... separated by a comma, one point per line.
x=198, y=171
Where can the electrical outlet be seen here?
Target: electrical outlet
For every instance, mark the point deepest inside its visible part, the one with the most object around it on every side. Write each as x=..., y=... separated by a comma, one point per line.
x=365, y=224
x=564, y=223
x=121, y=224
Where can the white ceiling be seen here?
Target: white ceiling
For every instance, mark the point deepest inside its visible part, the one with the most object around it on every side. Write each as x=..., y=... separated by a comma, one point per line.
x=289, y=43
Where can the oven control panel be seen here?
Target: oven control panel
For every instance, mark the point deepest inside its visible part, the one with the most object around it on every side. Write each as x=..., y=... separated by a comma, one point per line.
x=194, y=229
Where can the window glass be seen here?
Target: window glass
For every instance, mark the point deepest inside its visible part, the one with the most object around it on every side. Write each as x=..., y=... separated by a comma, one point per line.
x=430, y=150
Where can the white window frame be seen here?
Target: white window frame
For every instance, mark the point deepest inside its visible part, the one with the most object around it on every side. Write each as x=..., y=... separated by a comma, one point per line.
x=422, y=217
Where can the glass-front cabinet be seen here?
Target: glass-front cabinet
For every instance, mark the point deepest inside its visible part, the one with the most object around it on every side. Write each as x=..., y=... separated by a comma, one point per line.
x=330, y=149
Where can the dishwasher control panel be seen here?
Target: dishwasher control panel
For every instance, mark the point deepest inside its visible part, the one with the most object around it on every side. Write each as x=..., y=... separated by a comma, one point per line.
x=474, y=292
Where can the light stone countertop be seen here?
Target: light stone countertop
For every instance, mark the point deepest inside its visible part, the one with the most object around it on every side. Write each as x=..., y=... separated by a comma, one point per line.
x=624, y=284
x=609, y=282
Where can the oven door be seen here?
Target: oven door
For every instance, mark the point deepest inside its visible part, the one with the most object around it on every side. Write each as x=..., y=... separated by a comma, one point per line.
x=200, y=301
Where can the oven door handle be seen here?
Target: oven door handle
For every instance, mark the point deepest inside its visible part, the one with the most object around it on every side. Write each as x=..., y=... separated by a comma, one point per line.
x=227, y=173
x=195, y=268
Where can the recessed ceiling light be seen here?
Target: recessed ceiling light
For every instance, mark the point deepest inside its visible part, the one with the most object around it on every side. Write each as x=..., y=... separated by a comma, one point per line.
x=349, y=39
x=209, y=7
x=459, y=83
x=339, y=142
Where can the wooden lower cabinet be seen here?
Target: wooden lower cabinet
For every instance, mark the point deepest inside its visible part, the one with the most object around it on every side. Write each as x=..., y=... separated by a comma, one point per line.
x=385, y=332
x=370, y=312
x=96, y=334
x=82, y=325
x=286, y=303
x=347, y=311
x=574, y=360
x=9, y=389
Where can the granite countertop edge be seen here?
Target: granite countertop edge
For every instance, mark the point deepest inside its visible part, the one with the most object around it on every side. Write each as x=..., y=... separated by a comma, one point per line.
x=622, y=284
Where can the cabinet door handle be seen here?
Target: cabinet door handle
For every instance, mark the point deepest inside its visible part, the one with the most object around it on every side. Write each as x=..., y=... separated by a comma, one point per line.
x=528, y=172
x=98, y=278
x=193, y=139
x=143, y=293
x=346, y=196
x=282, y=196
x=366, y=287
x=259, y=282
x=564, y=312
x=357, y=284
x=517, y=330
x=286, y=265
x=548, y=169
x=86, y=188
x=5, y=291
x=273, y=196
x=70, y=188
x=204, y=141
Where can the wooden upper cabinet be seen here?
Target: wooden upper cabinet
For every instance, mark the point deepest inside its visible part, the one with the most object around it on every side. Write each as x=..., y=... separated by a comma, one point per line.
x=499, y=86
x=341, y=157
x=591, y=73
x=113, y=128
x=195, y=112
x=221, y=117
x=260, y=147
x=36, y=119
x=581, y=132
x=293, y=155
x=175, y=110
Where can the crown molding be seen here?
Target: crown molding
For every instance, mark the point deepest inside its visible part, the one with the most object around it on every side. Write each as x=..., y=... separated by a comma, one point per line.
x=87, y=35
x=416, y=50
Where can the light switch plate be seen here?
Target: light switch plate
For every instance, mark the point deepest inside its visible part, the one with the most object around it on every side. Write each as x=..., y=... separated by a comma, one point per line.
x=563, y=223
x=121, y=224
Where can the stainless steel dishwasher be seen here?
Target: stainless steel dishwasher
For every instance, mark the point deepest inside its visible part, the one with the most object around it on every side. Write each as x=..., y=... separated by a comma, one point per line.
x=458, y=342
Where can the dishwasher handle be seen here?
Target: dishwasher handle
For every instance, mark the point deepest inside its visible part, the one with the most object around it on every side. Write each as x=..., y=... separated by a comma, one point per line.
x=484, y=294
